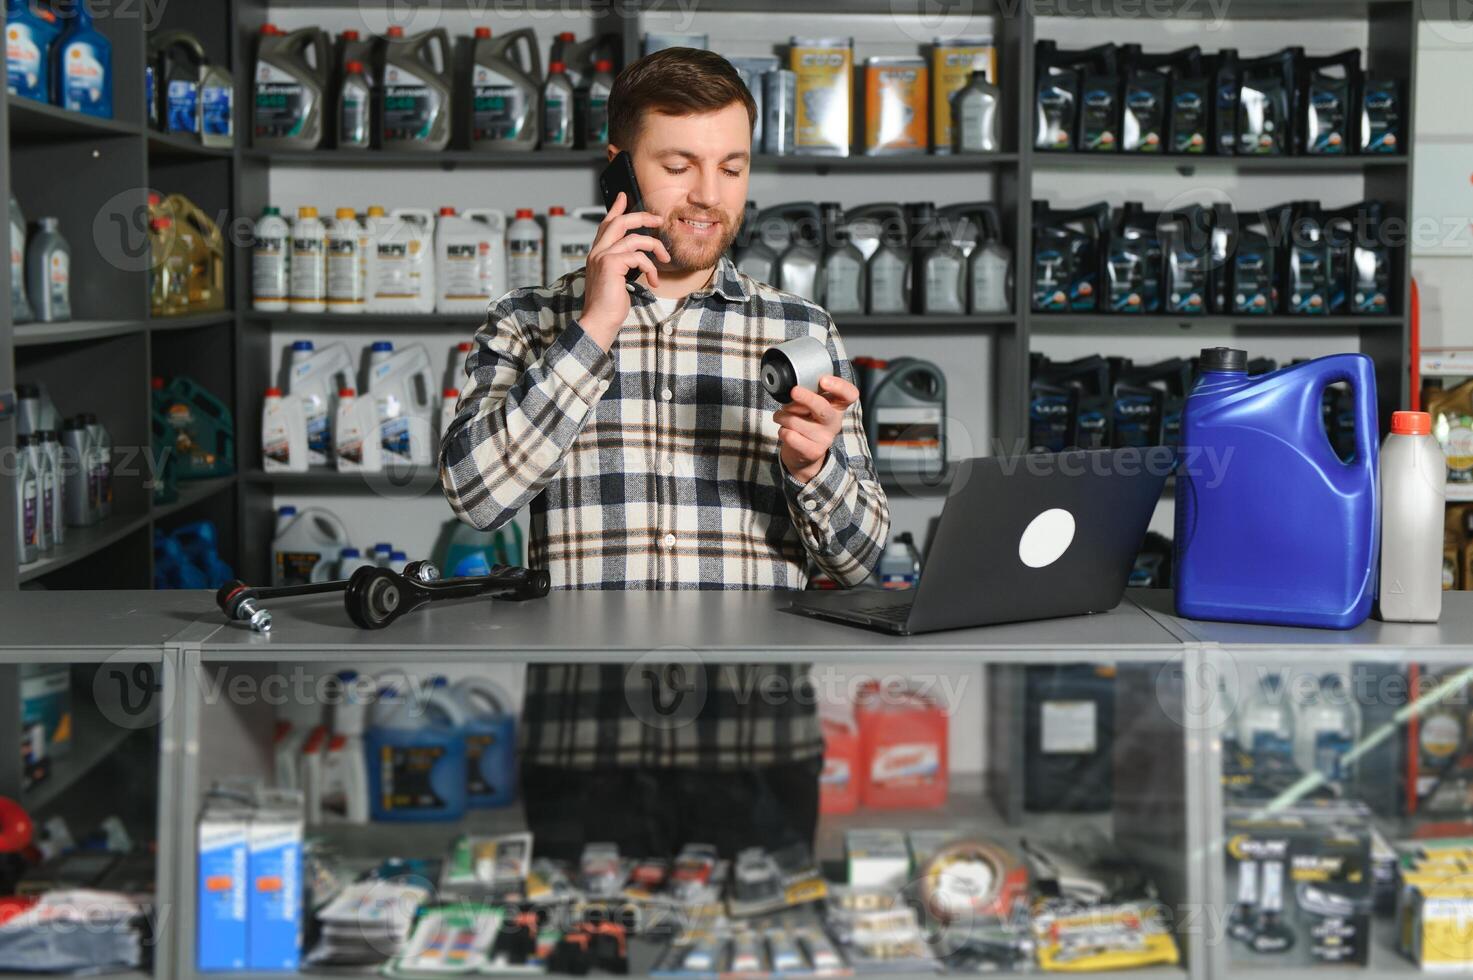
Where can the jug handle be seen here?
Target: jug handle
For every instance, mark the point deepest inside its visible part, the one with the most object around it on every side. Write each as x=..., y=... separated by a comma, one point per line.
x=441, y=42
x=322, y=53
x=534, y=60
x=1357, y=371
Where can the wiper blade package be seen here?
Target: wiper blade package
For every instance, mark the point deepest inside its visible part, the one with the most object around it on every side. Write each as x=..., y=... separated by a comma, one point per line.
x=1066, y=257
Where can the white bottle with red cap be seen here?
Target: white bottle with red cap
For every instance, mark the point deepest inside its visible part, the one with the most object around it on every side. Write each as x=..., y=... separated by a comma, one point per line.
x=524, y=250
x=470, y=259
x=283, y=434
x=1413, y=497
x=558, y=130
x=455, y=377
x=450, y=400
x=356, y=446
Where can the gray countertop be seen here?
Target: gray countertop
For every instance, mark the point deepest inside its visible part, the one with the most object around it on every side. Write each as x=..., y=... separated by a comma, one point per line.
x=620, y=626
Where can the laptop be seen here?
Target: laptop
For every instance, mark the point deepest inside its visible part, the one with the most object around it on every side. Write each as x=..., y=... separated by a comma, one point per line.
x=1020, y=538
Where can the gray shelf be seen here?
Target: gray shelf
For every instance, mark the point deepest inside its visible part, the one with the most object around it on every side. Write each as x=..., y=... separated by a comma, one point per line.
x=164, y=324
x=1121, y=323
x=172, y=146
x=93, y=739
x=538, y=159
x=1217, y=164
x=82, y=542
x=920, y=322
x=72, y=331
x=39, y=122
x=67, y=624
x=192, y=492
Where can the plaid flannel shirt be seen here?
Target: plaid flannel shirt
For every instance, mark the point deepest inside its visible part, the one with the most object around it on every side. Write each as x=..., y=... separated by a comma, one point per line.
x=655, y=466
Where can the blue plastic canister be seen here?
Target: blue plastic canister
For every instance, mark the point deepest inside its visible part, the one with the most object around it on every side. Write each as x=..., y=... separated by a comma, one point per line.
x=416, y=755
x=490, y=742
x=1271, y=525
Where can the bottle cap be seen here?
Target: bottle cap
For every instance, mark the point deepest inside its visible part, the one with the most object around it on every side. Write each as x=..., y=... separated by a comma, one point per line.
x=555, y=210
x=348, y=36
x=347, y=393
x=375, y=211
x=464, y=345
x=523, y=213
x=447, y=212
x=286, y=510
x=450, y=393
x=161, y=224
x=157, y=384
x=603, y=64
x=396, y=31
x=482, y=33
x=398, y=556
x=349, y=552
x=273, y=392
x=1227, y=359
x=270, y=210
x=354, y=67
x=383, y=345
x=1411, y=424
x=306, y=211
x=346, y=213
x=557, y=68
x=270, y=30
x=383, y=546
x=565, y=36
x=301, y=345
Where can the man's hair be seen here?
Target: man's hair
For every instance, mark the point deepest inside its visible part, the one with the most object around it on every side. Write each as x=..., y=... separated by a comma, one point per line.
x=677, y=82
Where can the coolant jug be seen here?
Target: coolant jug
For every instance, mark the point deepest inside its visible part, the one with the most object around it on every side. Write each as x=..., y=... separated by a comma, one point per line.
x=490, y=742
x=416, y=757
x=1271, y=525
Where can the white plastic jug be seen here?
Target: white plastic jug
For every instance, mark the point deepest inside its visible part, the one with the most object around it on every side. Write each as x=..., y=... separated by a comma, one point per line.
x=346, y=289
x=314, y=377
x=307, y=546
x=356, y=444
x=283, y=434
x=403, y=262
x=402, y=387
x=470, y=259
x=569, y=239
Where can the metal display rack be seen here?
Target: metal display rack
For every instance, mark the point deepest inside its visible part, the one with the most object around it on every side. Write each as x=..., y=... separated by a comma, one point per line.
x=116, y=347
x=1167, y=804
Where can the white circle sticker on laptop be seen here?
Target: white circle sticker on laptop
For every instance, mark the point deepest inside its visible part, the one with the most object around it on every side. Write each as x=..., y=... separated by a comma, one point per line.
x=1046, y=538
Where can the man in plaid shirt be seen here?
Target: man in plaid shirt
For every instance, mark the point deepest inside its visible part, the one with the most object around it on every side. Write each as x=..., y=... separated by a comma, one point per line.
x=631, y=418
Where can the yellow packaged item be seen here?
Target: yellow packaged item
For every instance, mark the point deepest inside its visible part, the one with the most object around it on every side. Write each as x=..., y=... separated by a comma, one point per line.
x=825, y=71
x=894, y=106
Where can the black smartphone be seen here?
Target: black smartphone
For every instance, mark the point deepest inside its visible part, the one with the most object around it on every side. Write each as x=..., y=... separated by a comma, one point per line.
x=616, y=177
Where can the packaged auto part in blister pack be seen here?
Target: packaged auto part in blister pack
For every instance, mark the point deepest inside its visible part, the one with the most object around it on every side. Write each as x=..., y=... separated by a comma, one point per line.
x=781, y=950
x=1302, y=878
x=767, y=881
x=1131, y=935
x=495, y=864
x=448, y=941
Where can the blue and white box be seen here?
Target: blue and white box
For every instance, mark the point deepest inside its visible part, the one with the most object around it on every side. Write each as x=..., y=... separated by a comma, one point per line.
x=221, y=918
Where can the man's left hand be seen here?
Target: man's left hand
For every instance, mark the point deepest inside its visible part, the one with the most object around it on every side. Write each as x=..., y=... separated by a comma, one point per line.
x=809, y=423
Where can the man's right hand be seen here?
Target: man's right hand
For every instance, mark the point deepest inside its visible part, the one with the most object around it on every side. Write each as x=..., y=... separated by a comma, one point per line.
x=614, y=253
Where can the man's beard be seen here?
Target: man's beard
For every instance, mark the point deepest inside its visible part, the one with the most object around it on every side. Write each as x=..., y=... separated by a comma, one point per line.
x=687, y=255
